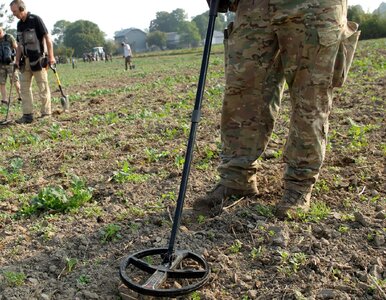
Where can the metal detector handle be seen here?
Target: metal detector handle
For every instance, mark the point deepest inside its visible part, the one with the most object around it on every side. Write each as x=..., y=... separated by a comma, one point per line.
x=53, y=67
x=195, y=119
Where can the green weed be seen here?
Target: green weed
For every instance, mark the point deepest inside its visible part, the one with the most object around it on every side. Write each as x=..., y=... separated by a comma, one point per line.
x=84, y=279
x=12, y=173
x=127, y=174
x=110, y=233
x=236, y=247
x=14, y=278
x=264, y=210
x=70, y=264
x=55, y=199
x=57, y=133
x=153, y=155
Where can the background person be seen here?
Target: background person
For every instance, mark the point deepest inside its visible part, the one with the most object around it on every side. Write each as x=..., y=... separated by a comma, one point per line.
x=33, y=38
x=8, y=45
x=127, y=55
x=272, y=42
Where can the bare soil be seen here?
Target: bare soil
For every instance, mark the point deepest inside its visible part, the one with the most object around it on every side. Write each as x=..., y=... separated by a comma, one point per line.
x=252, y=254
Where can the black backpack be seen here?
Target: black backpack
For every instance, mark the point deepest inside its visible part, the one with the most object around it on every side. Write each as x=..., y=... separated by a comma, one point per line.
x=6, y=53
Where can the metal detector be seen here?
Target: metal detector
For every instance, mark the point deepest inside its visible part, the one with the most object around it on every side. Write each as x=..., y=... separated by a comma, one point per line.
x=64, y=99
x=6, y=121
x=154, y=272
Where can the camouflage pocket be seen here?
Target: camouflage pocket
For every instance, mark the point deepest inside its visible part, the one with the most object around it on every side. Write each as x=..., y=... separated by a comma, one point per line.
x=345, y=56
x=227, y=32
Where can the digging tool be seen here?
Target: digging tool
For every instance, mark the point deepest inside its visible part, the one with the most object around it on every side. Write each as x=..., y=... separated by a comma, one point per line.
x=6, y=121
x=64, y=99
x=190, y=268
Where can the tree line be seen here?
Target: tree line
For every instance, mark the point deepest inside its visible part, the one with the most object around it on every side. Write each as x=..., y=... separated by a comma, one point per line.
x=372, y=25
x=79, y=37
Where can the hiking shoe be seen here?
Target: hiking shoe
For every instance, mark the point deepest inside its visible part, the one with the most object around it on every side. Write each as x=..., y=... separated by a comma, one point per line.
x=4, y=102
x=212, y=204
x=19, y=99
x=25, y=119
x=293, y=201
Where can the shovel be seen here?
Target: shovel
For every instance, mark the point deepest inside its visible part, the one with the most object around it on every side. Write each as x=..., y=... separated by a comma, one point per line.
x=6, y=121
x=64, y=99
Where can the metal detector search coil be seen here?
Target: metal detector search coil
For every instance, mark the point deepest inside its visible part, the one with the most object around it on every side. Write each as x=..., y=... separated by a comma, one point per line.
x=174, y=263
x=174, y=270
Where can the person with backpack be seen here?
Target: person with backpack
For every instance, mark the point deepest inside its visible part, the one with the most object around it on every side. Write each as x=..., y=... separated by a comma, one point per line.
x=33, y=39
x=8, y=46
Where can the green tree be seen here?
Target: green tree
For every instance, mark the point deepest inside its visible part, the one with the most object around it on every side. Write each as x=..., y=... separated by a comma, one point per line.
x=189, y=34
x=110, y=47
x=58, y=31
x=167, y=22
x=6, y=19
x=202, y=21
x=82, y=36
x=156, y=38
x=373, y=26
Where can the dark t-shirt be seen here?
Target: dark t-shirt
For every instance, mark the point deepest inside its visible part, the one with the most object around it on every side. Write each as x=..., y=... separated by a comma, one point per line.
x=32, y=22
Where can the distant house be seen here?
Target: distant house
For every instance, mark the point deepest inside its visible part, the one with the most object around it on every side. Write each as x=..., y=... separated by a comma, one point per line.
x=218, y=37
x=172, y=40
x=136, y=38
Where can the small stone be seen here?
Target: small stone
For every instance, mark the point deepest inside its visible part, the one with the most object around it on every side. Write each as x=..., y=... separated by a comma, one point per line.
x=326, y=294
x=279, y=236
x=34, y=281
x=90, y=295
x=360, y=218
x=379, y=240
x=44, y=297
x=252, y=294
x=52, y=269
x=381, y=215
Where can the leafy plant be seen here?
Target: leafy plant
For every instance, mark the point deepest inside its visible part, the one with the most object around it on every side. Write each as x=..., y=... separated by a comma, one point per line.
x=84, y=279
x=264, y=211
x=126, y=174
x=318, y=211
x=153, y=155
x=236, y=247
x=71, y=263
x=110, y=233
x=12, y=173
x=58, y=133
x=14, y=278
x=56, y=199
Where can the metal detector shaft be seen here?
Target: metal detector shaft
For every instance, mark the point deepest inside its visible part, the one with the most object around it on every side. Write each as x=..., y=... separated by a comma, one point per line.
x=9, y=96
x=195, y=119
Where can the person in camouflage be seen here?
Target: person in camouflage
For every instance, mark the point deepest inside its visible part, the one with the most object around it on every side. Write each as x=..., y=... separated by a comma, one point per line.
x=307, y=44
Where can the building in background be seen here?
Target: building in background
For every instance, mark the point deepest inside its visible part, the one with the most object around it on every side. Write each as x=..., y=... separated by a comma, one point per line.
x=136, y=38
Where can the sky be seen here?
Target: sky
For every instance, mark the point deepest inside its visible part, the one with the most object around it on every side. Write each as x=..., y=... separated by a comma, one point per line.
x=122, y=14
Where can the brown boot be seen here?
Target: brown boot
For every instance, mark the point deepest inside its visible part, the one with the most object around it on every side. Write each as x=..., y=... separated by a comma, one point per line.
x=292, y=201
x=212, y=204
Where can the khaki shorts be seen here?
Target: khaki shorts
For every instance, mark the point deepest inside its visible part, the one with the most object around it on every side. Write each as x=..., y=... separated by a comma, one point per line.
x=5, y=71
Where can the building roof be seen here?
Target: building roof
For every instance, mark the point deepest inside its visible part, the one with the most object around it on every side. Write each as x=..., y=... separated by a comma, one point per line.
x=124, y=32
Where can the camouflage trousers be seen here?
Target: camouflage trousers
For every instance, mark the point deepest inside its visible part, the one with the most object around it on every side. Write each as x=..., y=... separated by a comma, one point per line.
x=270, y=43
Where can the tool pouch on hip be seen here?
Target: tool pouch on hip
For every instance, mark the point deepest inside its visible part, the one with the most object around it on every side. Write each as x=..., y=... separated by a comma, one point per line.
x=227, y=32
x=345, y=56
